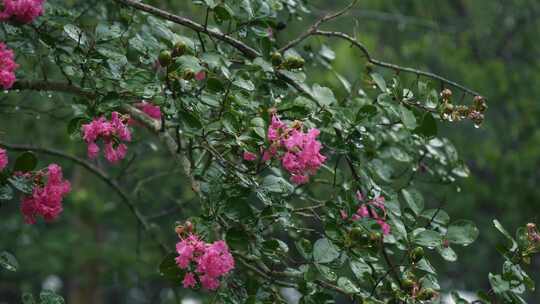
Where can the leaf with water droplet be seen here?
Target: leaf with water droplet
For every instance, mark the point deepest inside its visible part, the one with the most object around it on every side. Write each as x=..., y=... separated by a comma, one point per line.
x=8, y=261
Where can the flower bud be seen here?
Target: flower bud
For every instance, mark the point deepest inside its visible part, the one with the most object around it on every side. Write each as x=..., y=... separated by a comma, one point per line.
x=480, y=104
x=416, y=254
x=446, y=94
x=426, y=294
x=165, y=58
x=357, y=234
x=277, y=59
x=179, y=49
x=188, y=74
x=294, y=62
x=407, y=284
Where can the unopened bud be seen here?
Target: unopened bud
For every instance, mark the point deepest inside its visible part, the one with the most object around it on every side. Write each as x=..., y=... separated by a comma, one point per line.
x=446, y=94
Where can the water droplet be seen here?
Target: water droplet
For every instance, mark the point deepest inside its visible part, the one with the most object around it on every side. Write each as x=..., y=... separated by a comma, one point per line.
x=38, y=117
x=50, y=95
x=476, y=126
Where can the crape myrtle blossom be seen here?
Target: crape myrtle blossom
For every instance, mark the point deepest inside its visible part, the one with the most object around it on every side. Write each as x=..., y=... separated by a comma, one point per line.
x=7, y=67
x=3, y=159
x=113, y=133
x=21, y=11
x=150, y=109
x=206, y=261
x=298, y=151
x=374, y=209
x=46, y=198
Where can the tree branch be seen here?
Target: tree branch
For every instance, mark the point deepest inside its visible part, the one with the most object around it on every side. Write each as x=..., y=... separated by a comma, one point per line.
x=316, y=26
x=98, y=173
x=245, y=49
x=392, y=66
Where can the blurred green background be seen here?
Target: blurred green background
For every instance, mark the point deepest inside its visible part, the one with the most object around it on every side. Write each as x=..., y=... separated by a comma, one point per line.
x=96, y=253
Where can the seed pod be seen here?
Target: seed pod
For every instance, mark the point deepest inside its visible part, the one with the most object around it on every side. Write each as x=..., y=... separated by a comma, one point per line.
x=294, y=62
x=407, y=284
x=188, y=74
x=416, y=254
x=426, y=294
x=179, y=49
x=277, y=59
x=480, y=104
x=446, y=94
x=357, y=234
x=165, y=58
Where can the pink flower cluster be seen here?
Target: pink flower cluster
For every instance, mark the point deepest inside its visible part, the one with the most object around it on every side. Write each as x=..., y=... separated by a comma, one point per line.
x=112, y=132
x=46, y=198
x=370, y=209
x=150, y=109
x=22, y=11
x=7, y=66
x=208, y=261
x=3, y=159
x=299, y=152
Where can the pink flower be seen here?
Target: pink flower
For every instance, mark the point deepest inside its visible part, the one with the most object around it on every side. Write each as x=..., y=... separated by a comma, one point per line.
x=150, y=109
x=359, y=195
x=384, y=226
x=299, y=179
x=23, y=11
x=3, y=159
x=209, y=282
x=363, y=211
x=189, y=280
x=93, y=150
x=343, y=214
x=46, y=200
x=300, y=152
x=200, y=76
x=211, y=261
x=249, y=156
x=113, y=133
x=7, y=66
x=373, y=209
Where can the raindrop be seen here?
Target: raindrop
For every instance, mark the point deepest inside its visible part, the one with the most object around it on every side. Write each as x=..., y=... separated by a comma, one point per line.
x=38, y=117
x=476, y=126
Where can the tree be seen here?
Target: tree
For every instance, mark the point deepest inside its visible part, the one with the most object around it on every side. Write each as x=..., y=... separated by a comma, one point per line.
x=326, y=188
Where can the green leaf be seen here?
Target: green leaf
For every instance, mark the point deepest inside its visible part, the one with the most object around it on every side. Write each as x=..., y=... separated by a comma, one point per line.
x=498, y=284
x=501, y=229
x=6, y=192
x=428, y=127
x=407, y=117
x=244, y=84
x=327, y=53
x=327, y=272
x=366, y=112
x=8, y=261
x=26, y=162
x=169, y=269
x=428, y=238
x=323, y=95
x=324, y=251
x=22, y=183
x=347, y=285
x=360, y=269
x=414, y=200
x=447, y=253
x=462, y=232
x=28, y=298
x=49, y=297
x=276, y=184
x=379, y=80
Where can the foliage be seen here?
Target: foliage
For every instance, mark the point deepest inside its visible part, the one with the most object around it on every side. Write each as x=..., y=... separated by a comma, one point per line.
x=218, y=88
